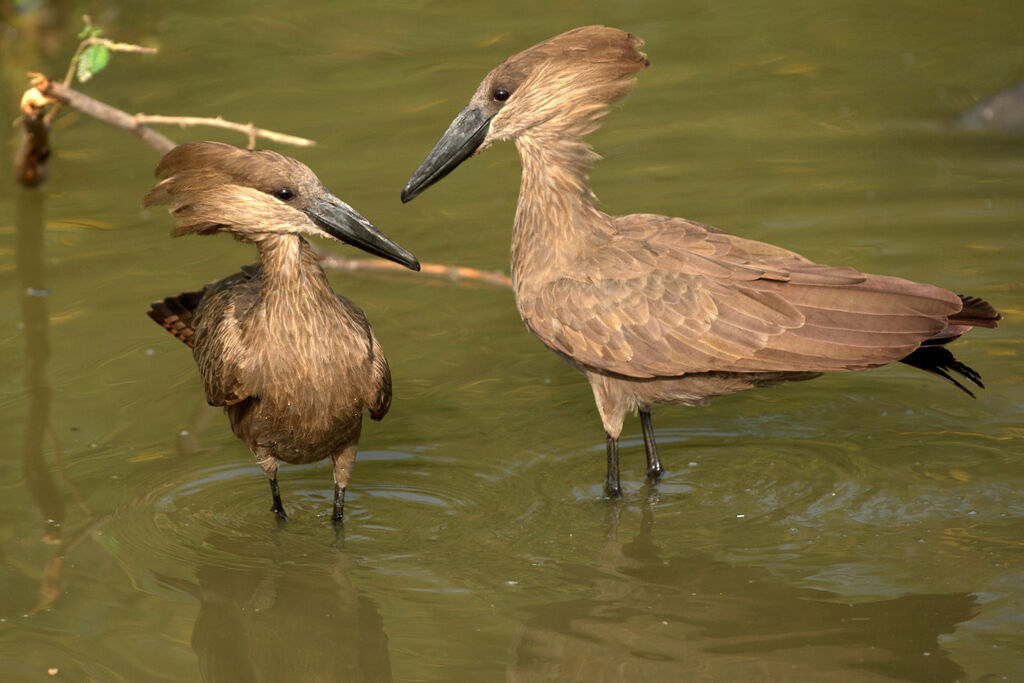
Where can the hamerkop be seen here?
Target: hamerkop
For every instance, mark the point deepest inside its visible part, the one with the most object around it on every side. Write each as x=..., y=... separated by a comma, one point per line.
x=293, y=363
x=655, y=309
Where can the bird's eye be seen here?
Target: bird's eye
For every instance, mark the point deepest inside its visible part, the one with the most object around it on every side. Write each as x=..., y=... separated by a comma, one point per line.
x=500, y=95
x=284, y=194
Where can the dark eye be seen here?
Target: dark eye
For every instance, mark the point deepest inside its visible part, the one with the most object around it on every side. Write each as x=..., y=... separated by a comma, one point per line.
x=284, y=194
x=500, y=95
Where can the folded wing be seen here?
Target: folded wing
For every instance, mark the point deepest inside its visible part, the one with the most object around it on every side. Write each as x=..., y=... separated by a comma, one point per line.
x=670, y=297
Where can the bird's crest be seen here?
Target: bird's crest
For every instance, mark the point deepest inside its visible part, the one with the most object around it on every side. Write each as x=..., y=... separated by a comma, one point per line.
x=214, y=186
x=566, y=82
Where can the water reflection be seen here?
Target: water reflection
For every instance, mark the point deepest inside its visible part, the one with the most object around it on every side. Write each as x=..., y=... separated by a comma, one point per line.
x=35, y=322
x=1003, y=112
x=654, y=617
x=331, y=631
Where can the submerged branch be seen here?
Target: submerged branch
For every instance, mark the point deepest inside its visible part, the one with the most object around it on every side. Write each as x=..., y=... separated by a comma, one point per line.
x=30, y=163
x=454, y=273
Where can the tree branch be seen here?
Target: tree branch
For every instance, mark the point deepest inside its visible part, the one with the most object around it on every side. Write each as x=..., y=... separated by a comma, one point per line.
x=30, y=165
x=45, y=91
x=57, y=92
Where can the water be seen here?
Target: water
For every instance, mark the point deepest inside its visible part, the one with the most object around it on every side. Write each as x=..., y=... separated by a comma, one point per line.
x=861, y=527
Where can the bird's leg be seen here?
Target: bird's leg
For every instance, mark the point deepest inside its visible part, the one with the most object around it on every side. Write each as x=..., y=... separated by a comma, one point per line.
x=611, y=481
x=654, y=468
x=339, y=503
x=343, y=463
x=277, y=508
x=268, y=462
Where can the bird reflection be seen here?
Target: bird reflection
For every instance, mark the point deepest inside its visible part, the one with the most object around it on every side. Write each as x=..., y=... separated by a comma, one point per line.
x=692, y=617
x=332, y=631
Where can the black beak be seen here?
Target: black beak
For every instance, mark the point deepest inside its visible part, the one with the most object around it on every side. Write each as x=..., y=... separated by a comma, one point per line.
x=341, y=221
x=465, y=134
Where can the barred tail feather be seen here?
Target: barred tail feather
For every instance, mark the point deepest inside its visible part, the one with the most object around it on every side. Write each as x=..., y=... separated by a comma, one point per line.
x=175, y=314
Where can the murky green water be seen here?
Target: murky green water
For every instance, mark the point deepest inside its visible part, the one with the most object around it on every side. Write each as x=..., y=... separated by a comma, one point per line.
x=865, y=527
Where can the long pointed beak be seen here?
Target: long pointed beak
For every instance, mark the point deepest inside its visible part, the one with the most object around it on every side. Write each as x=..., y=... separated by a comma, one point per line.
x=465, y=134
x=341, y=221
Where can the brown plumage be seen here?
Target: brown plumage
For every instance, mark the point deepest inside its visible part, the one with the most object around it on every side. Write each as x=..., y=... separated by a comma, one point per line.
x=293, y=363
x=655, y=309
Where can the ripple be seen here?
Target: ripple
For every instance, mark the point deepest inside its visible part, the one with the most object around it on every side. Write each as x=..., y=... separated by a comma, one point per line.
x=220, y=514
x=172, y=521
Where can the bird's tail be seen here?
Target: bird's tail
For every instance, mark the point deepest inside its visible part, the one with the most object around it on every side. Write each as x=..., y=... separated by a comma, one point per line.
x=175, y=314
x=976, y=313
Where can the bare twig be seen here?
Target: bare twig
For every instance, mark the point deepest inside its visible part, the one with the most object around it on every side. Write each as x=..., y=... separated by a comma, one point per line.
x=249, y=129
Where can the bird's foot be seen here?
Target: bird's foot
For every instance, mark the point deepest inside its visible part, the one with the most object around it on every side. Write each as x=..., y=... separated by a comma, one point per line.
x=279, y=511
x=654, y=473
x=612, y=491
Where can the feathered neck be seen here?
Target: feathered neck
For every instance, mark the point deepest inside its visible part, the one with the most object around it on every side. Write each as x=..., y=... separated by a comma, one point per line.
x=555, y=216
x=291, y=271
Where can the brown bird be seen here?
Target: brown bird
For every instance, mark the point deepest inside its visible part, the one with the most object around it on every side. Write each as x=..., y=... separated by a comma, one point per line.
x=653, y=309
x=293, y=363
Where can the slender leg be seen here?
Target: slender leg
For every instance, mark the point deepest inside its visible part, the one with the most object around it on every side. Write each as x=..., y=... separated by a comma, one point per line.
x=277, y=508
x=343, y=463
x=654, y=468
x=611, y=481
x=339, y=503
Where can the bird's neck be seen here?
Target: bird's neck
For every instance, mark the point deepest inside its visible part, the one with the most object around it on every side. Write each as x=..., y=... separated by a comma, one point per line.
x=291, y=272
x=555, y=217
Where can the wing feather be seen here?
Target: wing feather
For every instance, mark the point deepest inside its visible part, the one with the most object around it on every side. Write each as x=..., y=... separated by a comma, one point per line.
x=667, y=297
x=219, y=349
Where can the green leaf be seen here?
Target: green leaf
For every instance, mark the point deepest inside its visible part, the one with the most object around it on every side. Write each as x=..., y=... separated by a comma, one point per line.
x=92, y=61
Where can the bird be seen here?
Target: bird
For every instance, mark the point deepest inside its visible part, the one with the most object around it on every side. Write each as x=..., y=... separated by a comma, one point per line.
x=660, y=310
x=293, y=364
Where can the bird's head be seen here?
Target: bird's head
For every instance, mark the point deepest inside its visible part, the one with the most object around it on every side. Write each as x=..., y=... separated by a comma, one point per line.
x=215, y=187
x=560, y=88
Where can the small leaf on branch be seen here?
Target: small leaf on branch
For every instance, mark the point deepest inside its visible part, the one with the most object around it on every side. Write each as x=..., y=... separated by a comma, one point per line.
x=93, y=60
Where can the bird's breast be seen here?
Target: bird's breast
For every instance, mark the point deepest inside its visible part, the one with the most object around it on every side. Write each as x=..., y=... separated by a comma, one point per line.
x=312, y=357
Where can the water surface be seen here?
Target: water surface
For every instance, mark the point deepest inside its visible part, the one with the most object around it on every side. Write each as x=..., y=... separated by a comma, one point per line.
x=858, y=527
